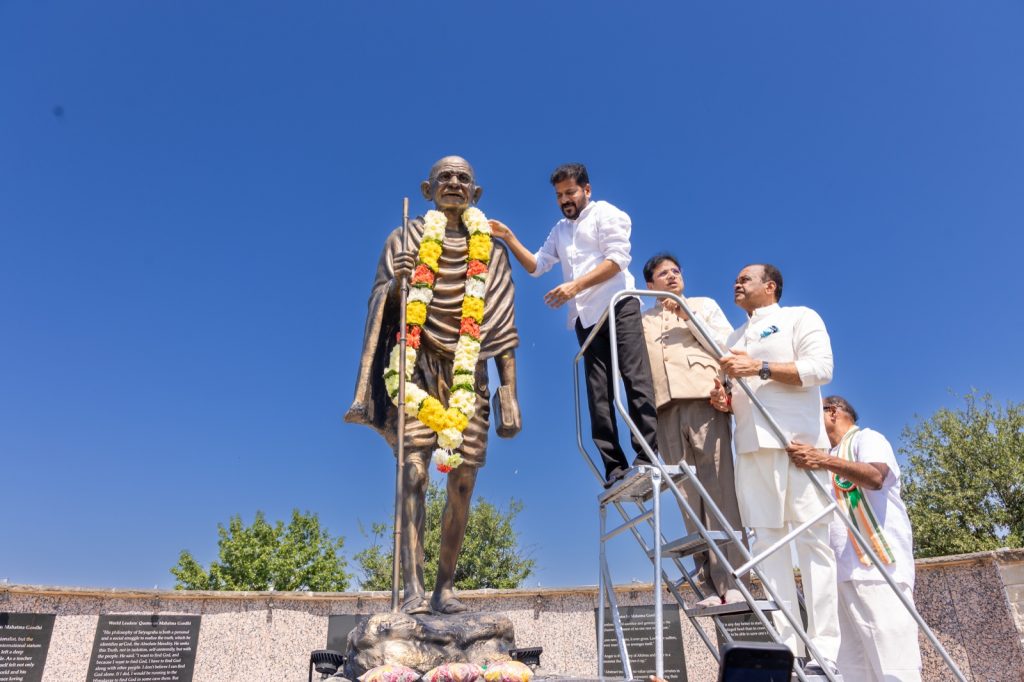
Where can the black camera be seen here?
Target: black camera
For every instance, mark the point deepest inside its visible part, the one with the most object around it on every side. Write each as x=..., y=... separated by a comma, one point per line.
x=755, y=662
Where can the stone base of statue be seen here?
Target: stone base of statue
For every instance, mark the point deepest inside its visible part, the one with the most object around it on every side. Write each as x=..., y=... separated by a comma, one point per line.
x=422, y=642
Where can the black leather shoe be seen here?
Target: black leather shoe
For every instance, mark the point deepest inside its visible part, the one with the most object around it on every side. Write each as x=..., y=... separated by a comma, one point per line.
x=616, y=475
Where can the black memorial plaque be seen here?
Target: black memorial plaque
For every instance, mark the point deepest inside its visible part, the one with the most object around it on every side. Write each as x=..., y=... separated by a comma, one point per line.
x=139, y=648
x=744, y=627
x=338, y=628
x=638, y=631
x=24, y=643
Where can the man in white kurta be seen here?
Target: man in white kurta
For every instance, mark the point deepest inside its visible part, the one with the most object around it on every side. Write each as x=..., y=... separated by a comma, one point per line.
x=784, y=355
x=879, y=636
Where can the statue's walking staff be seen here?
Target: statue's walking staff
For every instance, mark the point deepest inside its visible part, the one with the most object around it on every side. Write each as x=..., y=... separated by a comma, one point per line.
x=396, y=560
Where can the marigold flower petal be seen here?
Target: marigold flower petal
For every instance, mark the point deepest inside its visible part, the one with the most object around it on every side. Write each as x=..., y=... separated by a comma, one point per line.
x=422, y=275
x=416, y=313
x=470, y=326
x=473, y=307
x=475, y=267
x=480, y=247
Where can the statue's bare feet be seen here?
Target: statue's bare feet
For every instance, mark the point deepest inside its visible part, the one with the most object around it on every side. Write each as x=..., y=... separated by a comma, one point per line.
x=445, y=603
x=415, y=604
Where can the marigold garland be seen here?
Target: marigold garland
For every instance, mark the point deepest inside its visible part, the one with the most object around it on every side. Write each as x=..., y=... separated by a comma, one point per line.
x=447, y=422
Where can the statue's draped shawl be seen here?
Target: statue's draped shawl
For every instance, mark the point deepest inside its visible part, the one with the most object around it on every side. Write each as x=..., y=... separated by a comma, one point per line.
x=371, y=404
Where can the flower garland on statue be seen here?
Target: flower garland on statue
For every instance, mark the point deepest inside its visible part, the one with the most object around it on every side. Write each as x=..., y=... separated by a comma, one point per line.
x=448, y=423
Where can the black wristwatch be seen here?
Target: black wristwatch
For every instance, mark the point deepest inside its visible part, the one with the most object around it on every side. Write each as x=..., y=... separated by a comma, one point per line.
x=766, y=373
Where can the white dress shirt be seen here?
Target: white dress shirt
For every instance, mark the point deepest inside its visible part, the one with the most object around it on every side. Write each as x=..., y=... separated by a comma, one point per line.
x=601, y=232
x=777, y=334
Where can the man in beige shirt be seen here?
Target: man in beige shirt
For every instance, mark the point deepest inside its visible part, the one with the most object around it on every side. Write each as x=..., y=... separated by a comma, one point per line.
x=690, y=430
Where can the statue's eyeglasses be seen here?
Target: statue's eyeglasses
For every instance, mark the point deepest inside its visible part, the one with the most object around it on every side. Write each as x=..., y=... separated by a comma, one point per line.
x=446, y=176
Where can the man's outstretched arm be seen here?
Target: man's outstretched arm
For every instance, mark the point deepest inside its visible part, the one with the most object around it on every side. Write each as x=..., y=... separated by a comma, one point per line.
x=522, y=254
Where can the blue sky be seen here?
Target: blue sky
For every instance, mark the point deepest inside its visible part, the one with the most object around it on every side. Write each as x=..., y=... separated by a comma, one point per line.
x=193, y=196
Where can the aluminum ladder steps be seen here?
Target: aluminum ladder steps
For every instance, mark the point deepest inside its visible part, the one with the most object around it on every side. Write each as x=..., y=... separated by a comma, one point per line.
x=652, y=517
x=691, y=544
x=637, y=485
x=733, y=609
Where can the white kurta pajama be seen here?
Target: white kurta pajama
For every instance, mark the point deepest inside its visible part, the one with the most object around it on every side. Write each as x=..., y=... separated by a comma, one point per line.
x=774, y=495
x=879, y=636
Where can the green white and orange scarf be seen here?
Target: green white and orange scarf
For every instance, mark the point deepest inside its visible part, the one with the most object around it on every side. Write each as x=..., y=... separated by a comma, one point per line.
x=853, y=500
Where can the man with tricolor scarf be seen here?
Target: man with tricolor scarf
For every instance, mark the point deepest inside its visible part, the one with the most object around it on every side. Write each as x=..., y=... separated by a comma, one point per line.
x=879, y=636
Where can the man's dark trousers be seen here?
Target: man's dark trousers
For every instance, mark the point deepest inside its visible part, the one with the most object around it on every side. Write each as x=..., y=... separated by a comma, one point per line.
x=635, y=369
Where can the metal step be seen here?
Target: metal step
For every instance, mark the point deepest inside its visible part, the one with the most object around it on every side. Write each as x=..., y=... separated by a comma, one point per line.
x=816, y=678
x=729, y=609
x=637, y=484
x=691, y=544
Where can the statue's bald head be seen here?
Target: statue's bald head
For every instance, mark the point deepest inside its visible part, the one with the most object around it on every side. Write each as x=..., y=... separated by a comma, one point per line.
x=451, y=184
x=450, y=162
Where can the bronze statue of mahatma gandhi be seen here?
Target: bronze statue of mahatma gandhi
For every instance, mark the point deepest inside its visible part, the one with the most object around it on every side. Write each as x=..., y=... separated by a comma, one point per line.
x=464, y=271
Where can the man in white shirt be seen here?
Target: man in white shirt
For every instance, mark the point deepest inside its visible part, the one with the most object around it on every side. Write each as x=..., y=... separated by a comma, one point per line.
x=684, y=369
x=592, y=245
x=879, y=636
x=784, y=355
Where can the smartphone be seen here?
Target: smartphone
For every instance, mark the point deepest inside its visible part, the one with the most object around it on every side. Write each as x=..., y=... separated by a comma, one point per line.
x=755, y=662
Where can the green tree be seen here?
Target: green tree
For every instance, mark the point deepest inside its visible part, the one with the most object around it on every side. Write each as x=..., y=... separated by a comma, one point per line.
x=299, y=556
x=491, y=554
x=964, y=485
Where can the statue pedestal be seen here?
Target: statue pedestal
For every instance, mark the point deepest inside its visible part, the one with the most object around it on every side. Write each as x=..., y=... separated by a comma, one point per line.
x=422, y=642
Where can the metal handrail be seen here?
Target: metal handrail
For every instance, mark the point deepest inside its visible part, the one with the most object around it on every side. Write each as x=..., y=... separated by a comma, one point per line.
x=608, y=317
x=688, y=510
x=622, y=512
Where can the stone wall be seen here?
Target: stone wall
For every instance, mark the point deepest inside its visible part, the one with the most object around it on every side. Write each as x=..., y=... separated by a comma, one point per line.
x=1011, y=572
x=973, y=602
x=964, y=600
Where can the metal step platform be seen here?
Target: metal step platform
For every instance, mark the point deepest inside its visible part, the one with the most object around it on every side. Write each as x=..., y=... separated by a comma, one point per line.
x=637, y=484
x=734, y=609
x=692, y=544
